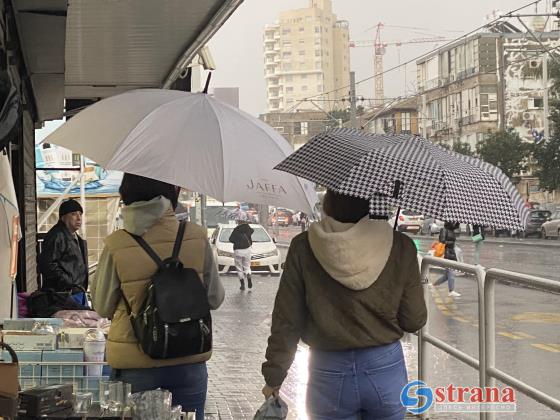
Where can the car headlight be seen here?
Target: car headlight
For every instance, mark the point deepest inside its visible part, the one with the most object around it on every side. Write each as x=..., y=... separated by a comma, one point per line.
x=270, y=254
x=225, y=254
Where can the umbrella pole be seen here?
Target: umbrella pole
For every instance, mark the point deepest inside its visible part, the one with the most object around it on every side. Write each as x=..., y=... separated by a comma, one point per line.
x=397, y=218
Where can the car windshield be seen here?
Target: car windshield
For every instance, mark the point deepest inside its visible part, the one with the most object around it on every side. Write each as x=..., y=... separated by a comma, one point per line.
x=539, y=215
x=410, y=213
x=259, y=235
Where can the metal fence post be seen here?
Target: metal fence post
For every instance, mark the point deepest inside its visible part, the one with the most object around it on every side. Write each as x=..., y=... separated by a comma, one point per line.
x=423, y=356
x=490, y=339
x=480, y=274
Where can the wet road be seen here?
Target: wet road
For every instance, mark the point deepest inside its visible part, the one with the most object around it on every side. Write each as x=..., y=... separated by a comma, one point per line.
x=527, y=341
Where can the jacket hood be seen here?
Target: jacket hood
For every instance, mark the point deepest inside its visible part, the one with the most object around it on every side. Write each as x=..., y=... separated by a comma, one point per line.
x=354, y=254
x=140, y=216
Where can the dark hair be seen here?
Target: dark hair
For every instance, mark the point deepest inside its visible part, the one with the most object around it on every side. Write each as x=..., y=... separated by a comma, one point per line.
x=451, y=225
x=345, y=208
x=139, y=188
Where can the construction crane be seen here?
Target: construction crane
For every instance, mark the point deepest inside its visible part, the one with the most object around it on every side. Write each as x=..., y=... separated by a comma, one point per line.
x=379, y=51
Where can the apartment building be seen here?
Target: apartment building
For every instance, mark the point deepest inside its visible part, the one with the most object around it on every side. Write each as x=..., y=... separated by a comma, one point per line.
x=483, y=83
x=306, y=54
x=300, y=126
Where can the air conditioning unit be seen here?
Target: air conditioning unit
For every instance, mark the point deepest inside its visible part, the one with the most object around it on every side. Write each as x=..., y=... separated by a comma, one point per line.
x=533, y=64
x=528, y=116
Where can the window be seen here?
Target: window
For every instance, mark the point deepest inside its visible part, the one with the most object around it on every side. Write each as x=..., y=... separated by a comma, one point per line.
x=289, y=89
x=317, y=53
x=287, y=44
x=301, y=128
x=317, y=29
x=302, y=52
x=286, y=31
x=304, y=76
x=301, y=41
x=302, y=28
x=288, y=78
x=286, y=54
x=535, y=103
x=405, y=123
x=287, y=67
x=304, y=88
x=280, y=130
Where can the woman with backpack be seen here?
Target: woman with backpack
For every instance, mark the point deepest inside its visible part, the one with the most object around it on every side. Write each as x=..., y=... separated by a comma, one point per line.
x=448, y=238
x=350, y=290
x=124, y=273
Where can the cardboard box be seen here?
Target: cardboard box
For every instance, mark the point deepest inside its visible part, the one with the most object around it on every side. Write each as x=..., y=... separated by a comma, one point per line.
x=27, y=371
x=25, y=340
x=63, y=371
x=26, y=324
x=72, y=338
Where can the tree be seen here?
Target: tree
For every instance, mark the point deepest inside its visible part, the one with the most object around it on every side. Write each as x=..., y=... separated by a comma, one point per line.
x=463, y=148
x=547, y=153
x=505, y=149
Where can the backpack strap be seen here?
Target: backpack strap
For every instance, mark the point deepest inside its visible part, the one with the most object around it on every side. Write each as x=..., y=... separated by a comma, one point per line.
x=179, y=239
x=147, y=248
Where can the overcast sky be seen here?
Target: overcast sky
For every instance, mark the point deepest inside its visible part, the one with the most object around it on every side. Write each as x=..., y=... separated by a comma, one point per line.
x=238, y=51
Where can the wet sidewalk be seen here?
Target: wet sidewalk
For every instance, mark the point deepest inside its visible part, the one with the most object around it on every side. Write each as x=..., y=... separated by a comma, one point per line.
x=241, y=328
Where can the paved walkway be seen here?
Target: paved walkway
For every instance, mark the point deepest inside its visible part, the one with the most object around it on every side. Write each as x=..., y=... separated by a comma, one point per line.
x=242, y=326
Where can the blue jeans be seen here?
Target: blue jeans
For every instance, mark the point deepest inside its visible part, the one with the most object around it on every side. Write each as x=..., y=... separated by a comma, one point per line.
x=187, y=383
x=449, y=277
x=357, y=384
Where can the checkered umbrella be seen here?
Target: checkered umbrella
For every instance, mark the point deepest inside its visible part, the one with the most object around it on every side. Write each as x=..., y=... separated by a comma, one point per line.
x=410, y=172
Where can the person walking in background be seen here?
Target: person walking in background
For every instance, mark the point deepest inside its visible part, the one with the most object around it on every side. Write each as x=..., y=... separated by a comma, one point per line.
x=241, y=239
x=63, y=261
x=447, y=237
x=125, y=271
x=350, y=289
x=303, y=221
x=478, y=238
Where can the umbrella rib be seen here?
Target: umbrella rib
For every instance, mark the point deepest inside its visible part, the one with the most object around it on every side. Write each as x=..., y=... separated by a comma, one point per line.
x=221, y=142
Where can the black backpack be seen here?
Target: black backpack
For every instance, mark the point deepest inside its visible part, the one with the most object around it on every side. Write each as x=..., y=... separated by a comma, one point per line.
x=174, y=319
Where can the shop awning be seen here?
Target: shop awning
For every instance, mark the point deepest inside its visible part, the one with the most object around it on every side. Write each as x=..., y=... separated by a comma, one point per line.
x=84, y=49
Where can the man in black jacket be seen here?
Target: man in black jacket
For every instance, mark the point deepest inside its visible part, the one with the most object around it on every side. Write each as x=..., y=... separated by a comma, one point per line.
x=241, y=239
x=63, y=260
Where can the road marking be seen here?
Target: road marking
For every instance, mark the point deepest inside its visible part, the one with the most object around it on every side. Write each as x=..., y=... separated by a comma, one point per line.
x=524, y=335
x=461, y=319
x=538, y=317
x=510, y=335
x=554, y=348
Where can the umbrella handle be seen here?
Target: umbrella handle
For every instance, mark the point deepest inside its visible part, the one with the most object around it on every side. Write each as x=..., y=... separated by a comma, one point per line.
x=397, y=218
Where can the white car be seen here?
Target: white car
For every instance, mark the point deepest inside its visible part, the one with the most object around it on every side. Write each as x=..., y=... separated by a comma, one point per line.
x=409, y=221
x=265, y=256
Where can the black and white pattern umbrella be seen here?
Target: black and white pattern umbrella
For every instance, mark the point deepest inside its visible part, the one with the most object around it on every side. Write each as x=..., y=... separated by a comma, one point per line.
x=424, y=176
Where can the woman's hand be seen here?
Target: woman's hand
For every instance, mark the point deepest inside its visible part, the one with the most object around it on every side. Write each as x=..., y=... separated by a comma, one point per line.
x=269, y=391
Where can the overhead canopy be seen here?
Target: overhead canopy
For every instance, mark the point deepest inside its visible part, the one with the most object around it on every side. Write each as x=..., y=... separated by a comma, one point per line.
x=84, y=49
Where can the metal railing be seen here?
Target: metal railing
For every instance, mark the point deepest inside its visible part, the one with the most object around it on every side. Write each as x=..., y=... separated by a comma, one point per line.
x=486, y=362
x=492, y=373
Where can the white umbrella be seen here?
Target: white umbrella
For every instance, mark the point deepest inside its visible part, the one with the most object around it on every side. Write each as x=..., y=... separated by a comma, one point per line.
x=191, y=140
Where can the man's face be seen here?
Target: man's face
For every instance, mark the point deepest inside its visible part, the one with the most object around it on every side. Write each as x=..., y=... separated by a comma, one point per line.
x=73, y=221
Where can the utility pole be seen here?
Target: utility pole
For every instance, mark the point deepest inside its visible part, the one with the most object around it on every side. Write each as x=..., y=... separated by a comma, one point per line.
x=424, y=117
x=353, y=119
x=545, y=95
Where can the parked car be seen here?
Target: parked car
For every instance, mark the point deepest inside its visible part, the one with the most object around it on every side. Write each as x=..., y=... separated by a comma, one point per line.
x=281, y=217
x=409, y=221
x=535, y=222
x=265, y=256
x=551, y=228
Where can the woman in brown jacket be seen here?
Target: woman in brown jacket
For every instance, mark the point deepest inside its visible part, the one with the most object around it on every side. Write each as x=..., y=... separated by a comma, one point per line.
x=350, y=289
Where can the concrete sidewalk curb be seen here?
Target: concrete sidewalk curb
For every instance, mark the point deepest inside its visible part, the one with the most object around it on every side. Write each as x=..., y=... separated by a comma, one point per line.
x=549, y=244
x=544, y=244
